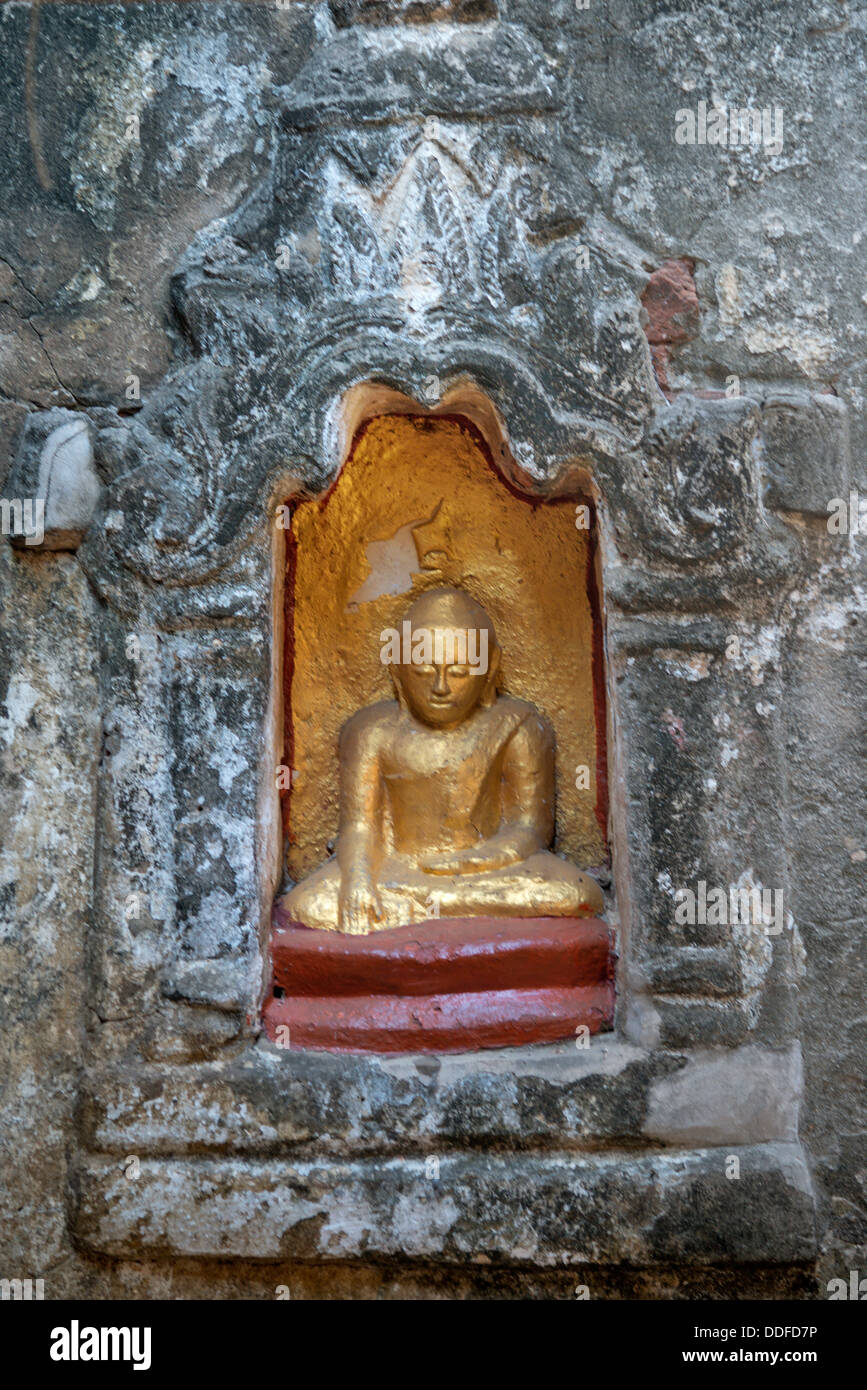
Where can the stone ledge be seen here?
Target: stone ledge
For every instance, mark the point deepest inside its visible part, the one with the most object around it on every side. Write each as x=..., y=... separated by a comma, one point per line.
x=366, y=76
x=537, y=1211
x=270, y=1101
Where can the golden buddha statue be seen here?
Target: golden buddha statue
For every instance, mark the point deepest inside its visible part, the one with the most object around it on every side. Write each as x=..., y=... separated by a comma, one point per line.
x=446, y=793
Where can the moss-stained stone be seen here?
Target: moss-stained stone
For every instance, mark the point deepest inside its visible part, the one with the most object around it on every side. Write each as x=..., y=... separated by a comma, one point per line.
x=50, y=742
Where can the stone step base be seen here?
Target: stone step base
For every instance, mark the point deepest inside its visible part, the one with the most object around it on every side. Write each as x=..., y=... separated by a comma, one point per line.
x=537, y=1210
x=448, y=985
x=444, y=956
x=437, y=1022
x=272, y=1101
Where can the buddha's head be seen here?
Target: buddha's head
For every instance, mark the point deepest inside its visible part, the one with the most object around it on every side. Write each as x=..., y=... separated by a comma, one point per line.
x=449, y=658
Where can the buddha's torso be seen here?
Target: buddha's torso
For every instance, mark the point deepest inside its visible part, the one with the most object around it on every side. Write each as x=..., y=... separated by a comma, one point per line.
x=443, y=789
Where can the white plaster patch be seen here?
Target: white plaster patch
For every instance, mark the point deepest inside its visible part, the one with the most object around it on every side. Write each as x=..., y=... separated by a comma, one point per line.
x=747, y=1095
x=85, y=285
x=205, y=933
x=664, y=883
x=21, y=700
x=753, y=942
x=756, y=652
x=422, y=1221
x=728, y=295
x=830, y=623
x=810, y=351
x=688, y=668
x=393, y=562
x=227, y=760
x=67, y=478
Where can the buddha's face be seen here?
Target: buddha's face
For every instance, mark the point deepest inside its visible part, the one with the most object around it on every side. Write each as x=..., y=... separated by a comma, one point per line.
x=440, y=694
x=454, y=668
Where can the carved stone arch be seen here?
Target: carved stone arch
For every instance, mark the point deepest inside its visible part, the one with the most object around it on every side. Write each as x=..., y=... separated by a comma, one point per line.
x=163, y=538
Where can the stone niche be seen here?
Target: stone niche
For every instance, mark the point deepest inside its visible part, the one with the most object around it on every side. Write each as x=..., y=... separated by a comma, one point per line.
x=419, y=506
x=419, y=503
x=411, y=270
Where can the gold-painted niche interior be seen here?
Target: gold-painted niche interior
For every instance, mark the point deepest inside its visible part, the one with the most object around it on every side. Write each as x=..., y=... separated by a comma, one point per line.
x=419, y=504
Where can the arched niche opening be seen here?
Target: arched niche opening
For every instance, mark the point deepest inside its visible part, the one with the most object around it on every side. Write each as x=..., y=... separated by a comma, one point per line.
x=427, y=500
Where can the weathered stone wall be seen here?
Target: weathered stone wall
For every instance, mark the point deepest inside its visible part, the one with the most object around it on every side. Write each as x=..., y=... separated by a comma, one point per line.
x=130, y=132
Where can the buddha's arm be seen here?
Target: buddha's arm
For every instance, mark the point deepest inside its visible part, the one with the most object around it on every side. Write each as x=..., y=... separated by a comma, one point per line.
x=360, y=820
x=528, y=806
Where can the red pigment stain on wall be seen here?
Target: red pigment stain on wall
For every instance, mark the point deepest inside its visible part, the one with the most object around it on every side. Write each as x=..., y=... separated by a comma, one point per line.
x=671, y=302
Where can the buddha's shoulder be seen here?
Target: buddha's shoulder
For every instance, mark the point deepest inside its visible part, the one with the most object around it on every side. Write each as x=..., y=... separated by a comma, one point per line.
x=367, y=723
x=521, y=713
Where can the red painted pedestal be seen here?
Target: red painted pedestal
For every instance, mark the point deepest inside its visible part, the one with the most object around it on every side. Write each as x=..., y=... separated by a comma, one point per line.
x=451, y=985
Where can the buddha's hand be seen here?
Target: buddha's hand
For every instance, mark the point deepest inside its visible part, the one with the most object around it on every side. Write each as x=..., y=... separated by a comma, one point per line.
x=360, y=905
x=467, y=861
x=594, y=899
